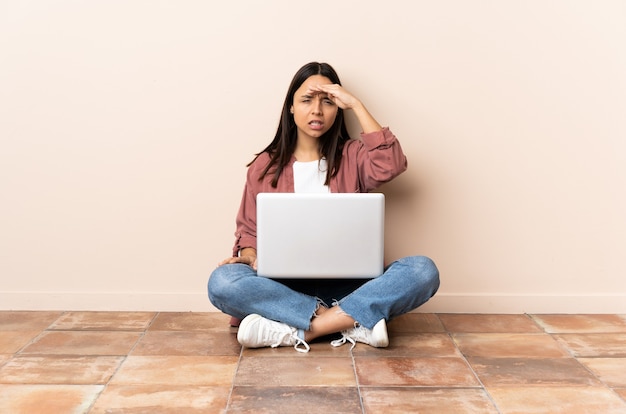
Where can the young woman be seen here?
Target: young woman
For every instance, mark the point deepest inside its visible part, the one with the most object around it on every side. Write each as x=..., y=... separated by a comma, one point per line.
x=312, y=152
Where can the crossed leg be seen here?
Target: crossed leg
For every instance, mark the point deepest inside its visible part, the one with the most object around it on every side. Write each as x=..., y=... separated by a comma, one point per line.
x=328, y=321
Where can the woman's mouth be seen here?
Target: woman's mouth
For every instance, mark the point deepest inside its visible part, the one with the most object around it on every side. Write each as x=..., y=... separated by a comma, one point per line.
x=316, y=125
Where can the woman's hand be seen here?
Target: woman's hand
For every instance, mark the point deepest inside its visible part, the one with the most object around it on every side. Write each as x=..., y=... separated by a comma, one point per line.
x=247, y=256
x=345, y=100
x=341, y=97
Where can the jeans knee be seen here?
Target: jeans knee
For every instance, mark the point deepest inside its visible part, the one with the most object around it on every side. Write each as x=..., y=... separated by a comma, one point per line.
x=217, y=285
x=224, y=282
x=425, y=271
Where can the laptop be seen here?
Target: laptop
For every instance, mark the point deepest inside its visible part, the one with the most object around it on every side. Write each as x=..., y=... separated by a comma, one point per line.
x=304, y=235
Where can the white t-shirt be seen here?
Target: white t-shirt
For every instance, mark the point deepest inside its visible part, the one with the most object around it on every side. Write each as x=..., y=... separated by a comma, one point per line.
x=309, y=177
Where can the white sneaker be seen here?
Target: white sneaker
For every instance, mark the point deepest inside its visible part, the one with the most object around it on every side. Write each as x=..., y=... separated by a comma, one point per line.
x=256, y=331
x=376, y=337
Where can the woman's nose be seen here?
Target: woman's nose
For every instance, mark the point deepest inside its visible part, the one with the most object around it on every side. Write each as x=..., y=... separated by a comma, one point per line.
x=317, y=106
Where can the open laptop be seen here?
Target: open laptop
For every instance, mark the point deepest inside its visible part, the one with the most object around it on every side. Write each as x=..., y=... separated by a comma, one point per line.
x=338, y=235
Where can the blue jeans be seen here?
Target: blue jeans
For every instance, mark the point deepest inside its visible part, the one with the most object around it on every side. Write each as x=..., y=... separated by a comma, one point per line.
x=236, y=290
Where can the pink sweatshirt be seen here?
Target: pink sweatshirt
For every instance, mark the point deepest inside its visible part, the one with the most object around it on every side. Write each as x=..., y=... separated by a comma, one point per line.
x=365, y=165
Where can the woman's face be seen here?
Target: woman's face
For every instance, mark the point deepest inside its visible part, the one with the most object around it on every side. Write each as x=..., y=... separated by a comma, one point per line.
x=313, y=112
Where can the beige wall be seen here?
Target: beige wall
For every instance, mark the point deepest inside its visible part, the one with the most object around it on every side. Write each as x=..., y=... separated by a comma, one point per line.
x=125, y=128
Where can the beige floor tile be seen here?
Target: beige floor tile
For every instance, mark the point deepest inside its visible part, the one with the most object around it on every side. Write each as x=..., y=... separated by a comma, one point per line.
x=488, y=323
x=499, y=345
x=59, y=370
x=581, y=323
x=177, y=370
x=192, y=321
x=611, y=371
x=161, y=399
x=83, y=343
x=415, y=323
x=103, y=321
x=414, y=345
x=594, y=345
x=187, y=343
x=531, y=371
x=287, y=400
x=557, y=400
x=13, y=341
x=47, y=399
x=426, y=401
x=295, y=371
x=27, y=320
x=402, y=371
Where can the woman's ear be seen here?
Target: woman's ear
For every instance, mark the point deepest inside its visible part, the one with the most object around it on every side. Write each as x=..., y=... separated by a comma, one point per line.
x=291, y=109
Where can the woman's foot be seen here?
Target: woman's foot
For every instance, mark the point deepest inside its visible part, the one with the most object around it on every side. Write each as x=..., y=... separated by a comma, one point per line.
x=256, y=331
x=376, y=337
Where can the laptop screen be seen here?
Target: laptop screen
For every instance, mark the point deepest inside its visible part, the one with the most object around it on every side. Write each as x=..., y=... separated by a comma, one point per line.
x=339, y=235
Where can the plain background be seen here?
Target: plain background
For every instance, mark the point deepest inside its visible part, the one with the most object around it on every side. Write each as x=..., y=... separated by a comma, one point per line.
x=126, y=125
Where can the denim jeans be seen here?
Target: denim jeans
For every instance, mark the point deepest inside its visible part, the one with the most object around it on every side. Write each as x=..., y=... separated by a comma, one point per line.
x=236, y=290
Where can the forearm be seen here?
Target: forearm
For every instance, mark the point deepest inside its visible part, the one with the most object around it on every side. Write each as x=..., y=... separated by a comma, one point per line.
x=247, y=251
x=366, y=120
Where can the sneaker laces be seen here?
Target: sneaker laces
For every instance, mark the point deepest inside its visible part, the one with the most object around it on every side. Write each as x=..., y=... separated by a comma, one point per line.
x=344, y=338
x=358, y=333
x=288, y=337
x=305, y=347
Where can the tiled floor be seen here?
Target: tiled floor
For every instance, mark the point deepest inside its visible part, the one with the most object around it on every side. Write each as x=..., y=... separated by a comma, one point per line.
x=136, y=362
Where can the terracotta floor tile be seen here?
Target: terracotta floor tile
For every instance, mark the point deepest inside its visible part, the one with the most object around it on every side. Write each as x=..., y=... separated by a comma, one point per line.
x=556, y=400
x=415, y=323
x=191, y=362
x=192, y=321
x=594, y=345
x=295, y=371
x=402, y=371
x=415, y=345
x=611, y=371
x=47, y=399
x=581, y=323
x=509, y=345
x=168, y=398
x=177, y=370
x=531, y=371
x=103, y=321
x=318, y=349
x=13, y=341
x=27, y=320
x=59, y=370
x=488, y=323
x=187, y=343
x=426, y=400
x=287, y=400
x=83, y=343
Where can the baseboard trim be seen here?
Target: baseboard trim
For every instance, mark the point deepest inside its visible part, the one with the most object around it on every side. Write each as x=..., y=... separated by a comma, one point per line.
x=517, y=304
x=108, y=301
x=198, y=302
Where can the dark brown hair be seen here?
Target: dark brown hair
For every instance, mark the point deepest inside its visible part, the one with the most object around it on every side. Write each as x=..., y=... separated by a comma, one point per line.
x=283, y=145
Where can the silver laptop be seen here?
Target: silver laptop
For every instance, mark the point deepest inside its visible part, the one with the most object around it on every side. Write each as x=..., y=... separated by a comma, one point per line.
x=339, y=235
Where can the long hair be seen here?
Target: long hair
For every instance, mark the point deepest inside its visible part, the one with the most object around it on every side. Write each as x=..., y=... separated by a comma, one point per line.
x=283, y=145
